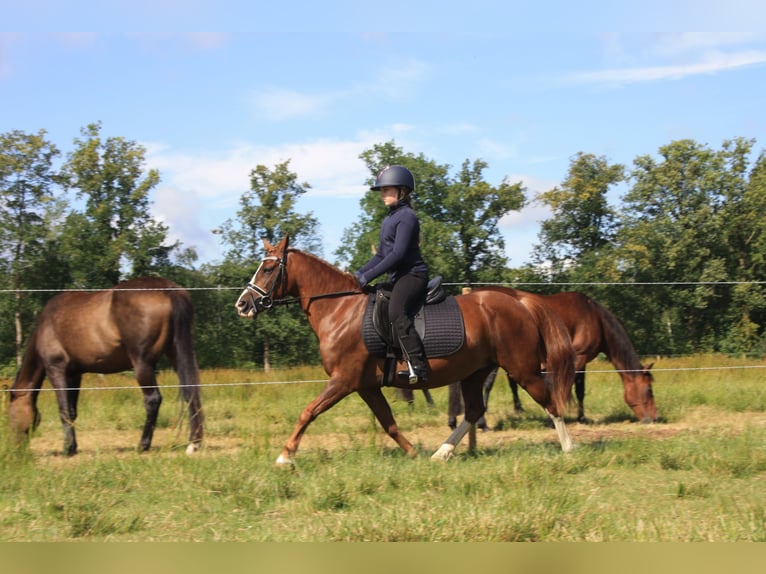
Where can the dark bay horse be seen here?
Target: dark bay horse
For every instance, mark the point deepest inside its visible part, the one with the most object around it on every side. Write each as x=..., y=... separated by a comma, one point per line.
x=498, y=331
x=593, y=329
x=130, y=326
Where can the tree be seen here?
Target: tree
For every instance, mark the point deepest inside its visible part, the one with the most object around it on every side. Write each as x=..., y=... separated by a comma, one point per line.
x=267, y=211
x=474, y=208
x=115, y=235
x=26, y=210
x=672, y=232
x=582, y=221
x=743, y=214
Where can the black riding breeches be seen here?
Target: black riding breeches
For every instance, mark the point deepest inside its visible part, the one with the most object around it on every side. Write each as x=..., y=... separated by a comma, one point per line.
x=407, y=293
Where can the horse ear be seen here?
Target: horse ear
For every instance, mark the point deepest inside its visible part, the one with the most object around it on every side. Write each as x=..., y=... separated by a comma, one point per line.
x=648, y=367
x=287, y=240
x=266, y=245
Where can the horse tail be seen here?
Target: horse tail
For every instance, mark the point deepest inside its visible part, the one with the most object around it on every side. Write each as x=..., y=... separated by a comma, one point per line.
x=559, y=353
x=186, y=359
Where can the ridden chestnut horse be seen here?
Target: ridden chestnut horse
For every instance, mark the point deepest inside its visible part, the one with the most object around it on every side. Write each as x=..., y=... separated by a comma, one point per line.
x=593, y=329
x=499, y=330
x=130, y=326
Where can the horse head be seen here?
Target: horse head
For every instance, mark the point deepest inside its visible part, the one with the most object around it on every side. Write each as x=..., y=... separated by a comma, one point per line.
x=268, y=283
x=23, y=414
x=639, y=395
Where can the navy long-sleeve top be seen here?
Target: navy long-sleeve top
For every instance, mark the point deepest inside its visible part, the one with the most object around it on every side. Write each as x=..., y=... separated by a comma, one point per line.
x=399, y=248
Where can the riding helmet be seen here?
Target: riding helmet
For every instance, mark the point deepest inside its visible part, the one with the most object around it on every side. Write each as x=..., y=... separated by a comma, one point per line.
x=395, y=176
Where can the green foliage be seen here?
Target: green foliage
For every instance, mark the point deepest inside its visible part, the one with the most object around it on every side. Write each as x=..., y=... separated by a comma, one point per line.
x=116, y=229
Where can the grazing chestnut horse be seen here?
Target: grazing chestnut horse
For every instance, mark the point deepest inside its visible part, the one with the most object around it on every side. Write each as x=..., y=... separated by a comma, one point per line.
x=593, y=329
x=498, y=331
x=127, y=327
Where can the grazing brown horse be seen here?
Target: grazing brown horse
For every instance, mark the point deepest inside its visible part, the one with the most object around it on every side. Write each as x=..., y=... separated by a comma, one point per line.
x=130, y=326
x=498, y=331
x=594, y=329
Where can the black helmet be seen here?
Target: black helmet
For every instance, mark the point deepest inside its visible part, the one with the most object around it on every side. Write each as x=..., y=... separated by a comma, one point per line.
x=395, y=176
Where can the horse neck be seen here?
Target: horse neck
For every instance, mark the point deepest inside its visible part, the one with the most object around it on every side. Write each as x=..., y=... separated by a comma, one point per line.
x=618, y=346
x=309, y=276
x=31, y=372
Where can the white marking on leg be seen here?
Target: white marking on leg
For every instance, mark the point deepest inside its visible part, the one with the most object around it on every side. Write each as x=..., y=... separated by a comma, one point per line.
x=444, y=453
x=284, y=460
x=561, y=430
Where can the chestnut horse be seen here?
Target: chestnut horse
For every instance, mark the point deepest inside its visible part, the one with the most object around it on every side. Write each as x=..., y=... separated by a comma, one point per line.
x=593, y=329
x=498, y=331
x=127, y=327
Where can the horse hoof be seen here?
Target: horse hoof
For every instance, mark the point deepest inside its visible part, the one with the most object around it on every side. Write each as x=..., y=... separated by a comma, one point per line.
x=285, y=461
x=444, y=453
x=192, y=448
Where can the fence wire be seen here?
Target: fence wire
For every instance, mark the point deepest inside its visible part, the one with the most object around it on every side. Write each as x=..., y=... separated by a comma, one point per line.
x=307, y=381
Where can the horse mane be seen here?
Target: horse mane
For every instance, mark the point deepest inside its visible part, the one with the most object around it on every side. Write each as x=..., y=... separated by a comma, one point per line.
x=327, y=270
x=619, y=347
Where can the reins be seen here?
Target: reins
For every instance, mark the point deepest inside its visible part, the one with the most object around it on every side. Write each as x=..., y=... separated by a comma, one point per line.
x=311, y=298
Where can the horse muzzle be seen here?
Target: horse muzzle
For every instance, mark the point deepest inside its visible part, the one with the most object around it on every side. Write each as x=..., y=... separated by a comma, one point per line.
x=249, y=305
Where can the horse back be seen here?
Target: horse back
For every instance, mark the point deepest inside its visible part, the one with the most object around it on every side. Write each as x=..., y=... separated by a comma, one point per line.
x=104, y=331
x=492, y=315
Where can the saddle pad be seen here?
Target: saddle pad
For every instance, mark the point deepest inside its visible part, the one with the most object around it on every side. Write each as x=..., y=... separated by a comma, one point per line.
x=444, y=329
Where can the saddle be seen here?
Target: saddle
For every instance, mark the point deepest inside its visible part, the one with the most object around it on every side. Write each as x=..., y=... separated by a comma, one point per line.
x=438, y=322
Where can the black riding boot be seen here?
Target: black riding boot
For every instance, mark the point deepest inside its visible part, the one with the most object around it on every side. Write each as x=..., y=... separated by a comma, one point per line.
x=412, y=349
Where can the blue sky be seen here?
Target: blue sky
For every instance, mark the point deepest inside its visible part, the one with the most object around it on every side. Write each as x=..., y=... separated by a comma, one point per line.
x=321, y=89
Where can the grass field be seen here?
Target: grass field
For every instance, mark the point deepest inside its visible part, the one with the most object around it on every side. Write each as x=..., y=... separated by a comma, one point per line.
x=697, y=475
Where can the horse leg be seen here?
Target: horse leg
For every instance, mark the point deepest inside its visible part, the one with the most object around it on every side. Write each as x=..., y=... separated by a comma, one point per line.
x=330, y=395
x=444, y=452
x=428, y=397
x=455, y=404
x=489, y=382
x=152, y=401
x=196, y=423
x=406, y=395
x=537, y=388
x=515, y=391
x=471, y=391
x=67, y=392
x=374, y=398
x=579, y=385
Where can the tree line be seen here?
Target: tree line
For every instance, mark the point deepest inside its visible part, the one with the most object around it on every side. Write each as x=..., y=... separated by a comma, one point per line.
x=680, y=258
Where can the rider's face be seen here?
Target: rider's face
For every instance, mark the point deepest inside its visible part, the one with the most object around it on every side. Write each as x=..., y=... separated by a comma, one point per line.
x=389, y=194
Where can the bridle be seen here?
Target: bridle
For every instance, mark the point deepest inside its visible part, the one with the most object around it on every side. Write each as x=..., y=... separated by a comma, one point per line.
x=262, y=299
x=265, y=299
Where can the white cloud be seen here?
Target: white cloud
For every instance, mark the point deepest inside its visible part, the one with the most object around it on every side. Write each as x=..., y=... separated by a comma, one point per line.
x=671, y=44
x=277, y=104
x=332, y=167
x=711, y=63
x=392, y=83
x=637, y=58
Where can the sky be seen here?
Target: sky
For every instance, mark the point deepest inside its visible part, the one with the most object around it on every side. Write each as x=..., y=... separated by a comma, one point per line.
x=317, y=84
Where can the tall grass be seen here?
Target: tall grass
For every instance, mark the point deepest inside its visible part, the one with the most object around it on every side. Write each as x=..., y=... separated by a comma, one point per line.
x=698, y=475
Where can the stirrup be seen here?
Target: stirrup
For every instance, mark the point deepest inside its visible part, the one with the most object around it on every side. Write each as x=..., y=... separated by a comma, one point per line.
x=412, y=375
